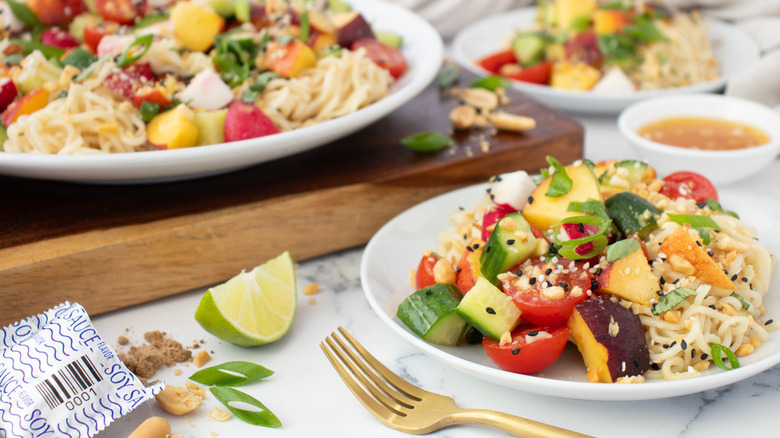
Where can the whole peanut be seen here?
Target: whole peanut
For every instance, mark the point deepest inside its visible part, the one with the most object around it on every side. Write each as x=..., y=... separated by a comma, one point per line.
x=153, y=427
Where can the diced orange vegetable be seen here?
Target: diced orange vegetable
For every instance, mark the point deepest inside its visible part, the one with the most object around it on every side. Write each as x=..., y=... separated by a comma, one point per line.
x=27, y=104
x=173, y=129
x=195, y=26
x=681, y=244
x=290, y=59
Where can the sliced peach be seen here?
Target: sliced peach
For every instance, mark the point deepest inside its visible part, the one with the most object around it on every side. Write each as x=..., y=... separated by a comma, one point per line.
x=27, y=104
x=290, y=59
x=630, y=278
x=681, y=244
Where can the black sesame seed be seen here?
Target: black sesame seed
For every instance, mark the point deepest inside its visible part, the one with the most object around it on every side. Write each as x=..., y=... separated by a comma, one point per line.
x=548, y=271
x=490, y=310
x=553, y=250
x=672, y=344
x=704, y=356
x=701, y=204
x=660, y=293
x=665, y=346
x=710, y=253
x=532, y=280
x=564, y=285
x=712, y=306
x=734, y=277
x=469, y=249
x=519, y=273
x=533, y=333
x=465, y=237
x=655, y=366
x=769, y=321
x=487, y=248
x=638, y=362
x=683, y=344
x=594, y=285
x=476, y=246
x=744, y=279
x=428, y=292
x=510, y=242
x=515, y=350
x=581, y=227
x=676, y=281
x=698, y=243
x=530, y=199
x=599, y=271
x=662, y=280
x=457, y=269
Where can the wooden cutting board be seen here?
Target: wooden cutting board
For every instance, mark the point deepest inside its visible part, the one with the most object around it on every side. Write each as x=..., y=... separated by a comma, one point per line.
x=109, y=247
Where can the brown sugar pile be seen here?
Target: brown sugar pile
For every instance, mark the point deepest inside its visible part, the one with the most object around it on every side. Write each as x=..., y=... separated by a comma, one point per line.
x=160, y=350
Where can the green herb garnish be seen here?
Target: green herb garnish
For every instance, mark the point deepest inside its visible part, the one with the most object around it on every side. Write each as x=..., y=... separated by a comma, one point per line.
x=449, y=75
x=334, y=50
x=30, y=46
x=426, y=142
x=717, y=352
x=694, y=220
x=148, y=110
x=79, y=58
x=232, y=397
x=672, y=299
x=305, y=28
x=560, y=182
x=24, y=13
x=151, y=19
x=92, y=67
x=715, y=206
x=126, y=59
x=568, y=248
x=742, y=300
x=622, y=248
x=491, y=83
x=234, y=373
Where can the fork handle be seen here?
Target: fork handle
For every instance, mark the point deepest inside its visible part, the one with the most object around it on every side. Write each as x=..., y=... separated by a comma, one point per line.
x=517, y=426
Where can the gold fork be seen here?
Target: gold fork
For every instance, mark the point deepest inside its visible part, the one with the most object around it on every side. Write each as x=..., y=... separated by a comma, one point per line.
x=411, y=409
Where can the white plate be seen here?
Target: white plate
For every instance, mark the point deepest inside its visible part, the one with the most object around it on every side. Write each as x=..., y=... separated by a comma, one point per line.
x=398, y=246
x=734, y=49
x=423, y=49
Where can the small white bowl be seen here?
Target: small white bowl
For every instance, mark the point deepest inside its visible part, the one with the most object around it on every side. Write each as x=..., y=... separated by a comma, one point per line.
x=721, y=167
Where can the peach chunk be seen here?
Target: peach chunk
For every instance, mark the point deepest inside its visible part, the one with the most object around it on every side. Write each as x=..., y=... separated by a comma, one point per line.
x=630, y=278
x=681, y=244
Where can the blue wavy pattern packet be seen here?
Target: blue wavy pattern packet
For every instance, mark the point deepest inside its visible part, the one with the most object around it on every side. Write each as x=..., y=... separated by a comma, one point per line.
x=59, y=378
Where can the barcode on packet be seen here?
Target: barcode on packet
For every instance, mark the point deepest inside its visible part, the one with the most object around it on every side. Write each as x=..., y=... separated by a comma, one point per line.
x=68, y=382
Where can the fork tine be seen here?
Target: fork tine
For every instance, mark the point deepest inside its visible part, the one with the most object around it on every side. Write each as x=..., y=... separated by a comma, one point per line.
x=401, y=399
x=377, y=410
x=396, y=381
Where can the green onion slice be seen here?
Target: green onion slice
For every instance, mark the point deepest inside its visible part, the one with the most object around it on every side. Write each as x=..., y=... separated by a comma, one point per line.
x=694, y=220
x=672, y=299
x=745, y=304
x=426, y=142
x=718, y=351
x=305, y=28
x=125, y=59
x=561, y=183
x=491, y=83
x=235, y=373
x=233, y=398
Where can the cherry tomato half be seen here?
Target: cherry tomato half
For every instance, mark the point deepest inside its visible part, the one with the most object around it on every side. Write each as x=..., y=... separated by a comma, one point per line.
x=493, y=63
x=94, y=32
x=690, y=185
x=535, y=74
x=384, y=55
x=524, y=357
x=424, y=276
x=542, y=307
x=55, y=12
x=121, y=11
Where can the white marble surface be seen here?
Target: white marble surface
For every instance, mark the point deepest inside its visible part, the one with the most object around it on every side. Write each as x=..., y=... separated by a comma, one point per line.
x=310, y=399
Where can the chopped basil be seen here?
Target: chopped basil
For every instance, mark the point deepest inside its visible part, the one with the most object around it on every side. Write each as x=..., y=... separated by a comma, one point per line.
x=151, y=19
x=694, y=220
x=92, y=67
x=334, y=50
x=622, y=248
x=305, y=28
x=63, y=94
x=24, y=13
x=591, y=206
x=231, y=397
x=148, y=110
x=426, y=142
x=30, y=46
x=715, y=206
x=580, y=23
x=672, y=299
x=79, y=58
x=745, y=304
x=235, y=58
x=284, y=39
x=253, y=92
x=643, y=29
x=575, y=249
x=560, y=182
x=619, y=50
x=491, y=83
x=717, y=352
x=449, y=75
x=233, y=373
x=126, y=59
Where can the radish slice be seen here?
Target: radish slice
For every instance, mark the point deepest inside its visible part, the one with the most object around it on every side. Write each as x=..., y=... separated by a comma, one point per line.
x=207, y=91
x=512, y=189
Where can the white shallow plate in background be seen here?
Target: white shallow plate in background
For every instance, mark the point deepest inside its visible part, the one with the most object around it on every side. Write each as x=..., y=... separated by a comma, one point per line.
x=422, y=48
x=734, y=49
x=397, y=247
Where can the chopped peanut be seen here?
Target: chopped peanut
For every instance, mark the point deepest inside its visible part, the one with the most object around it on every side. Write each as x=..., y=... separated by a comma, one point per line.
x=220, y=415
x=443, y=272
x=480, y=98
x=177, y=400
x=195, y=389
x=311, y=289
x=701, y=366
x=679, y=264
x=511, y=122
x=152, y=427
x=672, y=316
x=201, y=358
x=744, y=350
x=506, y=338
x=462, y=116
x=728, y=310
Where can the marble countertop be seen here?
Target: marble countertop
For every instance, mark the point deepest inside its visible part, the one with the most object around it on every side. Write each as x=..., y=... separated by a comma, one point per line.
x=310, y=399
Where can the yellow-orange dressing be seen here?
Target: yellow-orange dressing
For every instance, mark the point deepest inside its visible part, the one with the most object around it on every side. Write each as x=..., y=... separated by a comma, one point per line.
x=703, y=133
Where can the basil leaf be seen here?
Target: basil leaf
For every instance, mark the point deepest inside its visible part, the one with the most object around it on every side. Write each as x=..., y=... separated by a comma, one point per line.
x=426, y=142
x=79, y=58
x=226, y=374
x=715, y=206
x=92, y=67
x=717, y=352
x=591, y=206
x=619, y=50
x=30, y=46
x=305, y=29
x=491, y=83
x=560, y=183
x=745, y=304
x=125, y=59
x=151, y=19
x=672, y=299
x=694, y=220
x=449, y=75
x=334, y=50
x=622, y=248
x=584, y=247
x=263, y=417
x=23, y=13
x=148, y=110
x=645, y=30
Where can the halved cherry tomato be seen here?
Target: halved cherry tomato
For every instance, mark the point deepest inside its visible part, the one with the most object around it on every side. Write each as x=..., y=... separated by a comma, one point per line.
x=690, y=185
x=55, y=12
x=95, y=32
x=524, y=357
x=584, y=48
x=535, y=74
x=424, y=276
x=121, y=11
x=153, y=95
x=493, y=63
x=491, y=216
x=384, y=55
x=536, y=306
x=126, y=81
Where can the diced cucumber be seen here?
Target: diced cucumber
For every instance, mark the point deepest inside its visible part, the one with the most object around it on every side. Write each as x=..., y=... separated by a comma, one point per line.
x=225, y=8
x=528, y=48
x=3, y=136
x=632, y=213
x=430, y=314
x=243, y=10
x=211, y=127
x=389, y=38
x=335, y=6
x=510, y=243
x=489, y=310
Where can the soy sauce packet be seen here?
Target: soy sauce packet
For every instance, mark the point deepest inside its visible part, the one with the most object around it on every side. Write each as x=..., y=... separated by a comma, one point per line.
x=59, y=378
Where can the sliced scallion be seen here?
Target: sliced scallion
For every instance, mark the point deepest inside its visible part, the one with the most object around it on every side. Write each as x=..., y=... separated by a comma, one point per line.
x=233, y=399
x=233, y=373
x=126, y=59
x=717, y=357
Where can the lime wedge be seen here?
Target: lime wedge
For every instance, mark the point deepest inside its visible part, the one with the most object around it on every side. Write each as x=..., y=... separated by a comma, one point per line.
x=252, y=308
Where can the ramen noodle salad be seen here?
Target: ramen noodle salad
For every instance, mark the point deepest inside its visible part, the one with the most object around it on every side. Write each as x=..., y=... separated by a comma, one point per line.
x=135, y=75
x=650, y=278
